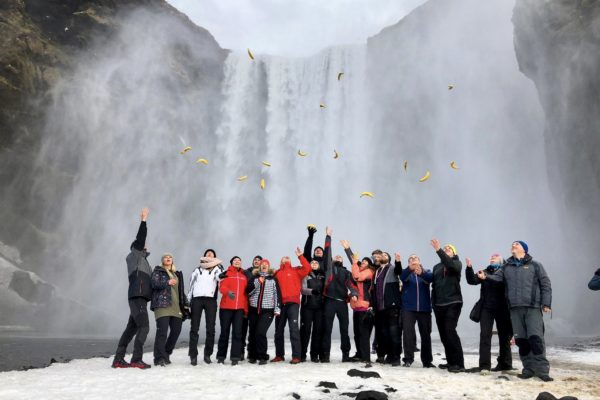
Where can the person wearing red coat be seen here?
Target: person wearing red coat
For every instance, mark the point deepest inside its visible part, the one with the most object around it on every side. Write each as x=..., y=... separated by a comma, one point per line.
x=289, y=280
x=232, y=309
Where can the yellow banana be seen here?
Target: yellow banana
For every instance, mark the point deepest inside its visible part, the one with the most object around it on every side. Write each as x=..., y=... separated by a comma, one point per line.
x=367, y=194
x=266, y=163
x=242, y=178
x=250, y=54
x=202, y=161
x=450, y=87
x=185, y=150
x=406, y=165
x=322, y=105
x=425, y=177
x=262, y=183
x=336, y=155
x=453, y=165
x=340, y=75
x=302, y=154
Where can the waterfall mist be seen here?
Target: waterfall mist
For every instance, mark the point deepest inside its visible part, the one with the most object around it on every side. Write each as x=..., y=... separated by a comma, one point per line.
x=117, y=125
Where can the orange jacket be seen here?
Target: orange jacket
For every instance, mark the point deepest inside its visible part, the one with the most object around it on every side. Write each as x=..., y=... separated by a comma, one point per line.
x=235, y=281
x=363, y=278
x=290, y=279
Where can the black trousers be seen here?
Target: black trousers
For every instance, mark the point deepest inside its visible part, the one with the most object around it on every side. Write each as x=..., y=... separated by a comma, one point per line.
x=258, y=325
x=331, y=309
x=163, y=345
x=137, y=326
x=504, y=326
x=290, y=313
x=388, y=333
x=363, y=326
x=245, y=324
x=208, y=305
x=446, y=318
x=231, y=322
x=311, y=330
x=423, y=321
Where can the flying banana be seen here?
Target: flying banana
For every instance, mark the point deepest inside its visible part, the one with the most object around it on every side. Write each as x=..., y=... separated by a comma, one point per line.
x=185, y=150
x=262, y=184
x=367, y=194
x=336, y=155
x=322, y=105
x=266, y=163
x=302, y=154
x=453, y=165
x=250, y=54
x=425, y=177
x=406, y=165
x=340, y=76
x=242, y=178
x=202, y=161
x=450, y=87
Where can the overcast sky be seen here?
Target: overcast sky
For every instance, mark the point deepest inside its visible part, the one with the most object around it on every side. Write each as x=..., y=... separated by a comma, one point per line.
x=293, y=27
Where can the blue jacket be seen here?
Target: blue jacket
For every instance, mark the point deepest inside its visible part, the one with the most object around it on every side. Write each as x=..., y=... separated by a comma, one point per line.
x=415, y=290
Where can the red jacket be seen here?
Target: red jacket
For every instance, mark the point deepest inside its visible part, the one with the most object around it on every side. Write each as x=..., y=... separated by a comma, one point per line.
x=363, y=278
x=235, y=281
x=290, y=280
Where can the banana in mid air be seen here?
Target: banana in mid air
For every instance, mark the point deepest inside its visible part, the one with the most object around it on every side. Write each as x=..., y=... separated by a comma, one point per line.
x=302, y=154
x=367, y=194
x=185, y=150
x=266, y=163
x=250, y=54
x=340, y=74
x=242, y=178
x=202, y=161
x=425, y=177
x=453, y=165
x=450, y=87
x=262, y=184
x=406, y=165
x=322, y=105
x=336, y=155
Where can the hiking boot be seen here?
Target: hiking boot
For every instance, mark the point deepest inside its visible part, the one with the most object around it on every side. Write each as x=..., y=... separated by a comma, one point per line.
x=525, y=374
x=120, y=364
x=207, y=360
x=443, y=366
x=456, y=369
x=368, y=365
x=252, y=360
x=303, y=359
x=546, y=378
x=355, y=358
x=395, y=363
x=407, y=364
x=346, y=357
x=430, y=365
x=499, y=368
x=295, y=360
x=234, y=362
x=380, y=360
x=314, y=359
x=278, y=359
x=168, y=359
x=139, y=364
x=263, y=362
x=324, y=359
x=220, y=361
x=194, y=361
x=160, y=363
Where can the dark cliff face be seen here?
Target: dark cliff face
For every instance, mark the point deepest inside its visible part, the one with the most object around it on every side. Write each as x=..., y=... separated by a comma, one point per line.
x=42, y=44
x=558, y=47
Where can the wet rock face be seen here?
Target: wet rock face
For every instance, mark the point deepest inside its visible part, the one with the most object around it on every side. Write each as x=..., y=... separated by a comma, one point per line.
x=557, y=44
x=29, y=289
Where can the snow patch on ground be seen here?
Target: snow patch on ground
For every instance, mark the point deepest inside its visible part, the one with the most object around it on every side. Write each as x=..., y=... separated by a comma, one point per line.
x=575, y=373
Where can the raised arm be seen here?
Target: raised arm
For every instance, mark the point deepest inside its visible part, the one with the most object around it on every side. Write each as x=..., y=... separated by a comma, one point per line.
x=452, y=264
x=397, y=264
x=472, y=279
x=305, y=269
x=327, y=257
x=140, y=239
x=309, y=243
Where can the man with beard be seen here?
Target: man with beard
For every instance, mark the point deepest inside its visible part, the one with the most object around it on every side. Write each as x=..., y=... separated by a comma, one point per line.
x=338, y=282
x=387, y=304
x=529, y=293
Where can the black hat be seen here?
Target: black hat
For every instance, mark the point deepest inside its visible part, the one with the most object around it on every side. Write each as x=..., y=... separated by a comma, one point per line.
x=233, y=258
x=207, y=250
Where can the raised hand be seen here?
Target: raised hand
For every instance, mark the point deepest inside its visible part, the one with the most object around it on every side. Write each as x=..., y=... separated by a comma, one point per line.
x=144, y=213
x=328, y=231
x=345, y=244
x=397, y=256
x=435, y=244
x=468, y=260
x=311, y=229
x=298, y=252
x=481, y=275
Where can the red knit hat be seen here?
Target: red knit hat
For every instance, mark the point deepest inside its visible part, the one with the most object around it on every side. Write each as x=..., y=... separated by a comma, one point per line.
x=264, y=260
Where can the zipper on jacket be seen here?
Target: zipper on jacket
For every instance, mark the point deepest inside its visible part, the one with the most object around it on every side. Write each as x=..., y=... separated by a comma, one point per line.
x=237, y=294
x=417, y=282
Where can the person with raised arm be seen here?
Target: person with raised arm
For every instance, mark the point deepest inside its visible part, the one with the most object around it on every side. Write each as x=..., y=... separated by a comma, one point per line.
x=139, y=294
x=289, y=279
x=362, y=313
x=338, y=287
x=203, y=298
x=416, y=308
x=529, y=294
x=311, y=312
x=447, y=300
x=492, y=308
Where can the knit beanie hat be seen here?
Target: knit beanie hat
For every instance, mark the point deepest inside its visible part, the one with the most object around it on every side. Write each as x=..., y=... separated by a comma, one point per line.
x=255, y=257
x=453, y=248
x=265, y=261
x=524, y=245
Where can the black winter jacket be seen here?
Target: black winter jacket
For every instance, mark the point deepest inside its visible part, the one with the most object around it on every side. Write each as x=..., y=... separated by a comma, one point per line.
x=162, y=293
x=446, y=281
x=392, y=297
x=338, y=280
x=314, y=282
x=138, y=268
x=492, y=294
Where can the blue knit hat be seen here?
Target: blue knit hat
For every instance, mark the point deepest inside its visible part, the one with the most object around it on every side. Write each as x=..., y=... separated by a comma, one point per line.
x=524, y=245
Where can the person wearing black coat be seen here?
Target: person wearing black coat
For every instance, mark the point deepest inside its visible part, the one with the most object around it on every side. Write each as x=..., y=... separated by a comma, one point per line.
x=170, y=307
x=493, y=308
x=311, y=312
x=139, y=294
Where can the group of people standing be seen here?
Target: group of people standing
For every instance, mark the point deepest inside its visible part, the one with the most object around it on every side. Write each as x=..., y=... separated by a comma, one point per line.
x=383, y=295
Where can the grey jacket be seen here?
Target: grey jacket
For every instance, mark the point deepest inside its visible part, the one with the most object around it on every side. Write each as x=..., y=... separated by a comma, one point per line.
x=526, y=281
x=139, y=272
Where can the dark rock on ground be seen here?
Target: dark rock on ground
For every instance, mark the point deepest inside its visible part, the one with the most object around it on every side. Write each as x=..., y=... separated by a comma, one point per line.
x=295, y=395
x=550, y=396
x=363, y=374
x=350, y=394
x=504, y=377
x=371, y=395
x=391, y=390
x=329, y=385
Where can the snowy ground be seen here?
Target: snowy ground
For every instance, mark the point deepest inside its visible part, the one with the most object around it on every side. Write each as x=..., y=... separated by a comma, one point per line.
x=576, y=374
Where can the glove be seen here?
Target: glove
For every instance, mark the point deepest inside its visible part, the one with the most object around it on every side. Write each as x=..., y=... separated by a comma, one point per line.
x=223, y=275
x=316, y=292
x=311, y=230
x=231, y=295
x=597, y=272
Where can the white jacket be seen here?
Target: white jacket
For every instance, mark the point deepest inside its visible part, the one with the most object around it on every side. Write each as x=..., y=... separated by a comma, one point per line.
x=204, y=282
